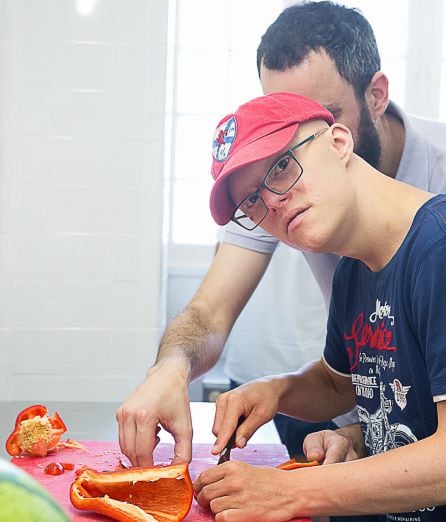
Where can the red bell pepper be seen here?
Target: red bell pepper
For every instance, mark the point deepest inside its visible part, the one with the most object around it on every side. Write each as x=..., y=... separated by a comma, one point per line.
x=54, y=468
x=160, y=493
x=35, y=432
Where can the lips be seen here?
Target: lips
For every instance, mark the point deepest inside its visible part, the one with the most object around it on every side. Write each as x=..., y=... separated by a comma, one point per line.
x=291, y=216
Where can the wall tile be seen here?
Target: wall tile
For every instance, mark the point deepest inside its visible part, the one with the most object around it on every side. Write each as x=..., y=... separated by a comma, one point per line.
x=28, y=304
x=92, y=305
x=95, y=388
x=154, y=132
x=81, y=161
x=127, y=258
x=122, y=355
x=82, y=113
x=64, y=351
x=84, y=20
x=130, y=75
x=150, y=288
x=124, y=21
x=8, y=180
x=5, y=366
x=127, y=119
x=76, y=305
x=87, y=352
x=36, y=19
x=31, y=211
x=81, y=258
x=6, y=280
x=33, y=110
x=93, y=210
x=75, y=65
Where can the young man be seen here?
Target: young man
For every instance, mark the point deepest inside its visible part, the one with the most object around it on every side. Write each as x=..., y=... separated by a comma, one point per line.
x=282, y=163
x=308, y=50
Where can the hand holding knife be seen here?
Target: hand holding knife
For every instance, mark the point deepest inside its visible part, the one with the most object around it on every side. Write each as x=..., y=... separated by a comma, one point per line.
x=225, y=454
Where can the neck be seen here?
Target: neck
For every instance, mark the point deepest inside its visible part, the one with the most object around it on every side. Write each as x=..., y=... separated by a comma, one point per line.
x=379, y=226
x=391, y=135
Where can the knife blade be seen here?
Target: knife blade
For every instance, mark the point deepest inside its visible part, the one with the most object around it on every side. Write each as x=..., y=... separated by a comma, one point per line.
x=225, y=453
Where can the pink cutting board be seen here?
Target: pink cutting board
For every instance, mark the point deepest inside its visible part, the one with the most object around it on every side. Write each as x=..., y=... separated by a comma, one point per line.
x=103, y=456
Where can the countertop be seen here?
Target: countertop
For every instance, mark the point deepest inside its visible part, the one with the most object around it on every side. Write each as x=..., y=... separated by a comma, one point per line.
x=96, y=421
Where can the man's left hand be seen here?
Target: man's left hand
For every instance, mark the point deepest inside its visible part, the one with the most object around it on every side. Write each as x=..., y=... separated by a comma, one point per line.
x=238, y=491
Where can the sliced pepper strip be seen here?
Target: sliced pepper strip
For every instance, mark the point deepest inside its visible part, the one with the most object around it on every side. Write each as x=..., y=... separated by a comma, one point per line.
x=73, y=444
x=293, y=464
x=41, y=436
x=159, y=493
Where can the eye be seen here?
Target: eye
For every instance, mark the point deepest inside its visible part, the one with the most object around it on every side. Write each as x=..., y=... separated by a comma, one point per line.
x=249, y=202
x=280, y=168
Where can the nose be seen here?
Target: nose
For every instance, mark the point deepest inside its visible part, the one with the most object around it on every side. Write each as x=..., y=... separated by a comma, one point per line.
x=274, y=201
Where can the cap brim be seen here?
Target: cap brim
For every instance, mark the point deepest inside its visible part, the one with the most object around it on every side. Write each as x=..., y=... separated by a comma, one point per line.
x=221, y=205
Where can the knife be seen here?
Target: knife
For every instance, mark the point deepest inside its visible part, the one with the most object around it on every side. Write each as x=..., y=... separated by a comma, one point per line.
x=225, y=453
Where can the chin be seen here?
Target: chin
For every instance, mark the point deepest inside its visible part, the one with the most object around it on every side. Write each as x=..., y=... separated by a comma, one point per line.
x=313, y=244
x=316, y=248
x=301, y=246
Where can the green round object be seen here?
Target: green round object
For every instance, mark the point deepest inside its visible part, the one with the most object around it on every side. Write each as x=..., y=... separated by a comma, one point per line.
x=22, y=499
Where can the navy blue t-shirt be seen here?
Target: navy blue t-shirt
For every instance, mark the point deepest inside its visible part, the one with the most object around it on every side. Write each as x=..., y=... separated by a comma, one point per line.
x=387, y=329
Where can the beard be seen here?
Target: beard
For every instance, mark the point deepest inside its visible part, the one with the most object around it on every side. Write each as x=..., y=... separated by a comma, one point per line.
x=369, y=146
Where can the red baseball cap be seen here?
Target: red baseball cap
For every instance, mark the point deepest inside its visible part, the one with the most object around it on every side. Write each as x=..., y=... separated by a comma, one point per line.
x=257, y=130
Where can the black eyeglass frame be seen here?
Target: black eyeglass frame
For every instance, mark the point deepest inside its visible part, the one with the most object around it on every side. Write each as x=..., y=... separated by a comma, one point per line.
x=264, y=183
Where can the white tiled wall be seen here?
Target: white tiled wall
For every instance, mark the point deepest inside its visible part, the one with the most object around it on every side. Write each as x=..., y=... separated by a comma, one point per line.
x=82, y=103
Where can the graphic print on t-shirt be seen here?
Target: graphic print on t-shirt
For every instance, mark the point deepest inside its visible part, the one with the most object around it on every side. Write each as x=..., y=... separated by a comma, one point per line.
x=400, y=393
x=377, y=383
x=380, y=434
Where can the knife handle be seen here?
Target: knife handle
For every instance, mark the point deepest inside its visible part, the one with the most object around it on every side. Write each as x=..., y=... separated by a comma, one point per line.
x=225, y=454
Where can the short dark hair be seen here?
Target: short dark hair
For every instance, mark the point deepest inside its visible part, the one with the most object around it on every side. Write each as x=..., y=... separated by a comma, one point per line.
x=344, y=34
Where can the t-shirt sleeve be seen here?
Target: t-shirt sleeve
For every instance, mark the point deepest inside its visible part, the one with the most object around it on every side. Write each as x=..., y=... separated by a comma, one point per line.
x=257, y=239
x=429, y=311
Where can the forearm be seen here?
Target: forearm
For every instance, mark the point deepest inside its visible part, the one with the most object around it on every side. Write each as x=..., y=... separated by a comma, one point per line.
x=401, y=480
x=313, y=393
x=195, y=339
x=193, y=342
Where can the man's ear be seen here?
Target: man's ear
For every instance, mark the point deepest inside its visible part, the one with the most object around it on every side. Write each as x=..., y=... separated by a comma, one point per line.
x=342, y=141
x=377, y=95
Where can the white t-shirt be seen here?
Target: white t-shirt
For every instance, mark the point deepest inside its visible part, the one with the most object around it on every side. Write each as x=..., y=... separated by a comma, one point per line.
x=283, y=325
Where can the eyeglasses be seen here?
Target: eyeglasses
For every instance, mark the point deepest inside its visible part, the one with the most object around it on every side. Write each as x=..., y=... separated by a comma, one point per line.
x=279, y=179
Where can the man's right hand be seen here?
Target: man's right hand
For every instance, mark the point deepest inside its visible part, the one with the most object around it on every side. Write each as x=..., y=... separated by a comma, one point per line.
x=331, y=446
x=162, y=399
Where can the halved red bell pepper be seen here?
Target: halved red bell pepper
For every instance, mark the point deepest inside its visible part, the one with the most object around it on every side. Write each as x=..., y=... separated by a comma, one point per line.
x=159, y=493
x=35, y=432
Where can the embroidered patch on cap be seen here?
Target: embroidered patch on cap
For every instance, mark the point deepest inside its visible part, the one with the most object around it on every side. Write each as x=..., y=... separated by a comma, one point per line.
x=223, y=139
